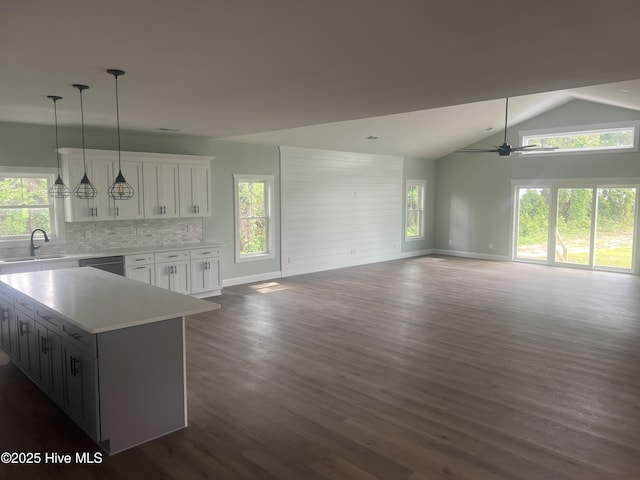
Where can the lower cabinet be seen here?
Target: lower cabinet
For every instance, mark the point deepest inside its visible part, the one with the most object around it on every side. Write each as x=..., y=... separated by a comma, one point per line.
x=81, y=387
x=191, y=272
x=8, y=336
x=118, y=386
x=27, y=354
x=205, y=272
x=50, y=357
x=172, y=271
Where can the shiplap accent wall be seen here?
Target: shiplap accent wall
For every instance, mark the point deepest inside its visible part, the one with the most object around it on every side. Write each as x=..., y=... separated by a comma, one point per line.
x=339, y=209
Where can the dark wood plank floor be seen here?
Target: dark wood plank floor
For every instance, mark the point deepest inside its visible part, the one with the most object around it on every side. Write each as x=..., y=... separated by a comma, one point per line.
x=424, y=368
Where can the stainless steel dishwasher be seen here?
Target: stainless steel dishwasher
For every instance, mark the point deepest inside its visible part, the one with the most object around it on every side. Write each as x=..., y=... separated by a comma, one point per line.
x=114, y=264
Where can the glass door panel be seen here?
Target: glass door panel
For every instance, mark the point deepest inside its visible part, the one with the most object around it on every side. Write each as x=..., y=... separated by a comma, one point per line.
x=615, y=225
x=533, y=224
x=574, y=220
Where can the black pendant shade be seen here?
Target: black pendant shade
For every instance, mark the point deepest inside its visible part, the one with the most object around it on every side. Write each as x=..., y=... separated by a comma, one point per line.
x=58, y=189
x=120, y=189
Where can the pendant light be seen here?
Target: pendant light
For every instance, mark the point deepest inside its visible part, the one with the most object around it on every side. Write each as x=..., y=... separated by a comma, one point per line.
x=120, y=190
x=85, y=189
x=58, y=189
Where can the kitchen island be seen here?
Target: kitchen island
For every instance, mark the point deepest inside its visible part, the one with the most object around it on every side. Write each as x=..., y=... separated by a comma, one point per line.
x=110, y=351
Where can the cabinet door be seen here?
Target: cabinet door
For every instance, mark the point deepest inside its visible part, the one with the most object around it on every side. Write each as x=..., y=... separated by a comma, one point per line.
x=27, y=355
x=51, y=363
x=205, y=276
x=103, y=176
x=131, y=209
x=195, y=195
x=160, y=185
x=81, y=398
x=173, y=276
x=142, y=273
x=7, y=329
x=100, y=173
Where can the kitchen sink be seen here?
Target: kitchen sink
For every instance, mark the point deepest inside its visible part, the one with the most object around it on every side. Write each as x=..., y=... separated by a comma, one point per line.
x=28, y=259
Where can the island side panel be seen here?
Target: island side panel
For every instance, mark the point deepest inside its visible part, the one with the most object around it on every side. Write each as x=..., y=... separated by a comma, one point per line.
x=142, y=383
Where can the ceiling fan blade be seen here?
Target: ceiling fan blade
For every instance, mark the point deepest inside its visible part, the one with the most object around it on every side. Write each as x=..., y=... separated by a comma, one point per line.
x=533, y=148
x=477, y=150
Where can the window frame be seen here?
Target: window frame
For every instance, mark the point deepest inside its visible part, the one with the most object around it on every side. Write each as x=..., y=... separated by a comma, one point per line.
x=422, y=186
x=269, y=181
x=581, y=129
x=56, y=232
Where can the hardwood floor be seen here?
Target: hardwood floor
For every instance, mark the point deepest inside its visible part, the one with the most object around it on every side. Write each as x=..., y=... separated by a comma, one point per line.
x=423, y=368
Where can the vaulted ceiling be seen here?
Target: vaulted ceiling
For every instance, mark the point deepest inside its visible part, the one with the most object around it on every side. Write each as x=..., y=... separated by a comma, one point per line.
x=423, y=76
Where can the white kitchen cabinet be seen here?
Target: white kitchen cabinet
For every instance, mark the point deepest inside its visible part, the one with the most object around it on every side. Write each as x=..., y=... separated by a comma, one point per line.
x=100, y=173
x=133, y=208
x=160, y=190
x=195, y=190
x=141, y=267
x=172, y=271
x=205, y=272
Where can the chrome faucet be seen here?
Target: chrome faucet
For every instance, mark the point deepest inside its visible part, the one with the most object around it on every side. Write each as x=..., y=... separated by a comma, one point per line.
x=33, y=247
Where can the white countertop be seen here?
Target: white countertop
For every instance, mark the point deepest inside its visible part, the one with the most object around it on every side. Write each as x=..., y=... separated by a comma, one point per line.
x=117, y=251
x=98, y=301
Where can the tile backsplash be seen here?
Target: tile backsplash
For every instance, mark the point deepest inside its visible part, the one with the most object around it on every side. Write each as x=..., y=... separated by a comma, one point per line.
x=87, y=237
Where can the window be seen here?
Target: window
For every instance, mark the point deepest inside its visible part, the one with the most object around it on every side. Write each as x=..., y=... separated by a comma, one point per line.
x=24, y=205
x=585, y=139
x=414, y=220
x=253, y=222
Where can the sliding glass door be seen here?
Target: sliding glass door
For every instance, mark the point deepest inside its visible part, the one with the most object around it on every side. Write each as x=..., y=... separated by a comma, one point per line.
x=588, y=227
x=615, y=227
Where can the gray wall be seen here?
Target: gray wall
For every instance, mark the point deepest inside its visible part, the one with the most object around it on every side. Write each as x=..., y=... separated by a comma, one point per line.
x=473, y=191
x=33, y=146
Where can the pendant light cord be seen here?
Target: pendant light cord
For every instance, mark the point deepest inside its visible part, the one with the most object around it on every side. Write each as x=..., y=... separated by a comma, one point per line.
x=84, y=158
x=118, y=122
x=55, y=113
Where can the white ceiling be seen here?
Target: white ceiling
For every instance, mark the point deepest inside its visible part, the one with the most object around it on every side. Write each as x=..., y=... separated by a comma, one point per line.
x=237, y=69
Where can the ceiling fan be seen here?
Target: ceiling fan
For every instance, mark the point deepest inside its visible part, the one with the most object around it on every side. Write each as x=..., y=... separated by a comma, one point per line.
x=505, y=149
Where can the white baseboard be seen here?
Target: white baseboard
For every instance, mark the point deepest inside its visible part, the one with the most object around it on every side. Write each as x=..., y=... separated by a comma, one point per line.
x=480, y=256
x=418, y=253
x=260, y=277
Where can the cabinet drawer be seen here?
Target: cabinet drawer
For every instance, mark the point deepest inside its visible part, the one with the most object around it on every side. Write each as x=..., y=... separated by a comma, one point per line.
x=141, y=259
x=25, y=304
x=172, y=256
x=205, y=252
x=79, y=338
x=49, y=319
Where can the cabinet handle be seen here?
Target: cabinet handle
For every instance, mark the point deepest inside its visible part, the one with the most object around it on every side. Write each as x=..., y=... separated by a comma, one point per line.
x=139, y=268
x=140, y=259
x=44, y=344
x=117, y=211
x=24, y=328
x=74, y=365
x=172, y=256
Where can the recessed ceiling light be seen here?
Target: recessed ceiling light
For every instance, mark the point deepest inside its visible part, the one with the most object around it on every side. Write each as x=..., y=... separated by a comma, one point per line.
x=372, y=137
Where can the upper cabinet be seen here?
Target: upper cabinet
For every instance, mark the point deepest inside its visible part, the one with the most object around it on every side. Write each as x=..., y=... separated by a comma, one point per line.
x=195, y=192
x=160, y=190
x=165, y=186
